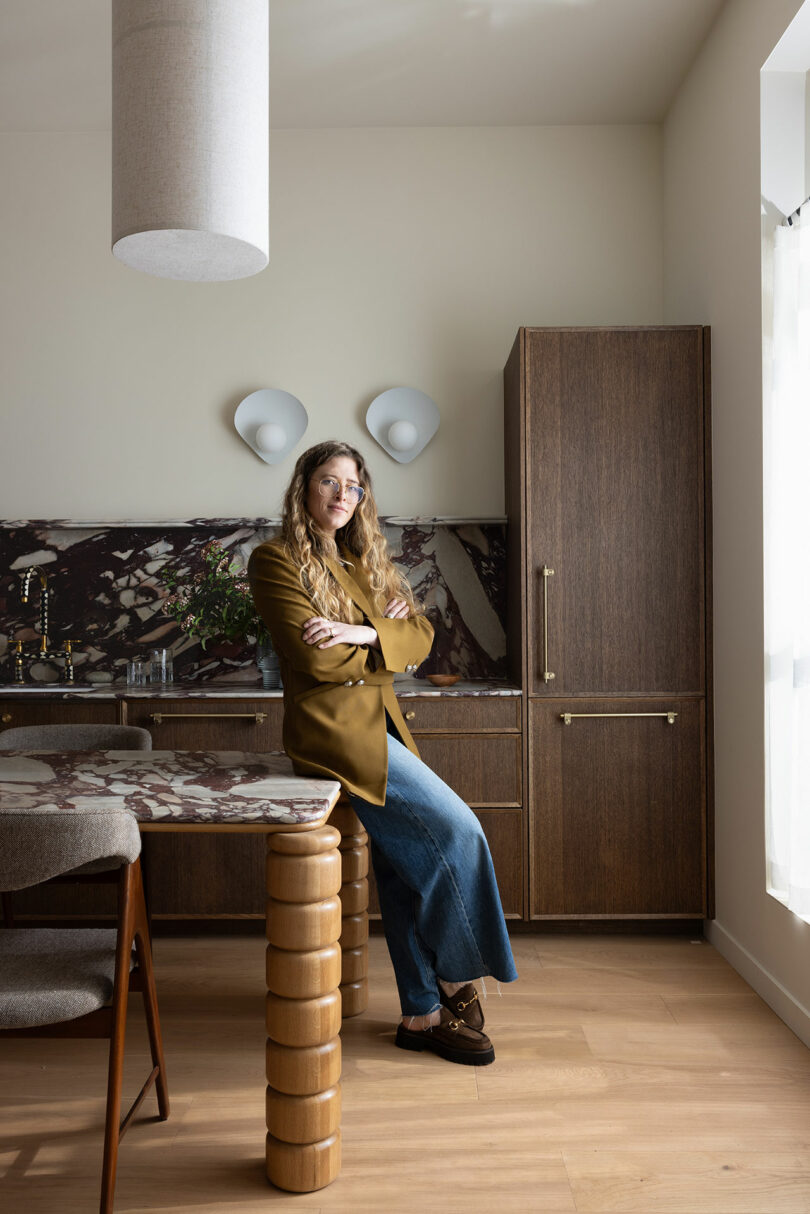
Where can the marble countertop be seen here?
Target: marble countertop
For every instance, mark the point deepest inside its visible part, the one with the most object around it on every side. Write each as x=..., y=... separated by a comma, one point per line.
x=222, y=689
x=166, y=786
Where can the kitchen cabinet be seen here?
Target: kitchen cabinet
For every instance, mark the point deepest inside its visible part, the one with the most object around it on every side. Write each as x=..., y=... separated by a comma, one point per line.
x=201, y=876
x=475, y=744
x=40, y=709
x=618, y=811
x=608, y=570
x=472, y=742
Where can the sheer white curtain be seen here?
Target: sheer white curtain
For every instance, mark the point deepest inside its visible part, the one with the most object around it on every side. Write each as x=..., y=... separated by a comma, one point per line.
x=787, y=571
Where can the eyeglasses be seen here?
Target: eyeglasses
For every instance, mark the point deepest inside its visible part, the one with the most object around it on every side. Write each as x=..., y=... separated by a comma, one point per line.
x=329, y=487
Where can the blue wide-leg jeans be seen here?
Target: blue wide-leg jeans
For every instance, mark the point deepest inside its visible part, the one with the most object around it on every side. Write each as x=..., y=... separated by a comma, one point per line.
x=439, y=899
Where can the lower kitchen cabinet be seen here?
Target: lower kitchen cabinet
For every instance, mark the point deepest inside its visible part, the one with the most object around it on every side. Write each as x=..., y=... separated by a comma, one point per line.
x=196, y=875
x=504, y=834
x=484, y=769
x=209, y=724
x=618, y=823
x=39, y=710
x=473, y=743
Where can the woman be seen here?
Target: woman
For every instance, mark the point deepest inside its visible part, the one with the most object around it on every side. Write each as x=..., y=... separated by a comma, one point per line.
x=343, y=620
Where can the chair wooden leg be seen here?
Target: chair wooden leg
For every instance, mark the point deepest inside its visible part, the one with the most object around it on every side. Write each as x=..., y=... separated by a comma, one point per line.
x=146, y=882
x=119, y=1024
x=7, y=902
x=143, y=951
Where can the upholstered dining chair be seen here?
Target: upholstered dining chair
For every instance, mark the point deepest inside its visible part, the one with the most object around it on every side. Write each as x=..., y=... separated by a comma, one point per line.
x=74, y=982
x=75, y=737
x=68, y=737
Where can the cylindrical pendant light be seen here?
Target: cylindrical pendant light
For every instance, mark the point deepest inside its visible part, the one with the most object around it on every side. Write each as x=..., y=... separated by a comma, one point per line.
x=190, y=143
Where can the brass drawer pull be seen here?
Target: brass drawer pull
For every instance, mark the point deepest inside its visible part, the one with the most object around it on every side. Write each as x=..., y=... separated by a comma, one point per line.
x=546, y=573
x=568, y=717
x=6, y=718
x=409, y=716
x=257, y=717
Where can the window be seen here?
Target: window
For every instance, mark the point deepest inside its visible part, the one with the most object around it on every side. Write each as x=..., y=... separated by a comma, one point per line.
x=786, y=471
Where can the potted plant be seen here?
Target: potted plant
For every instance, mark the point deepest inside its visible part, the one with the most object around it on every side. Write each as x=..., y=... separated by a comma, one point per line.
x=215, y=602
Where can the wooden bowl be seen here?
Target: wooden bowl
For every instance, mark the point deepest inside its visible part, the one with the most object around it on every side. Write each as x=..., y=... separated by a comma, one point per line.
x=443, y=680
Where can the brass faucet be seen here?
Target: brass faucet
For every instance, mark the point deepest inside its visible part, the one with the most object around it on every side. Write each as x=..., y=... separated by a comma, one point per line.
x=44, y=600
x=44, y=650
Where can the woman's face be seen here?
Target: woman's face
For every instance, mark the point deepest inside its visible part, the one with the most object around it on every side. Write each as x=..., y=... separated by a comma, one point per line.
x=331, y=499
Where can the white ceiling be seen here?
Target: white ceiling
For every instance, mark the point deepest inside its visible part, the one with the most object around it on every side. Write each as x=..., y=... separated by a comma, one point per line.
x=341, y=63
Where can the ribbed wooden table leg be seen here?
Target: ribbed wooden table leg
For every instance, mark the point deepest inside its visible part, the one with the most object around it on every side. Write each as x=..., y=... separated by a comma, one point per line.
x=303, y=1009
x=354, y=906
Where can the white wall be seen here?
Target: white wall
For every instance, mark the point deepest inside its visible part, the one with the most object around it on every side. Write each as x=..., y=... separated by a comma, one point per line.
x=712, y=274
x=397, y=257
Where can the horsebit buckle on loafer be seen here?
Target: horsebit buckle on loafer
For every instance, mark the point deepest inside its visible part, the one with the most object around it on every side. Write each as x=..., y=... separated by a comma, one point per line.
x=461, y=1006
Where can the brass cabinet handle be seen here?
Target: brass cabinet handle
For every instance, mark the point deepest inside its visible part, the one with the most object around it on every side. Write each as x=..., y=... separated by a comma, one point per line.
x=6, y=718
x=568, y=717
x=546, y=573
x=409, y=716
x=158, y=717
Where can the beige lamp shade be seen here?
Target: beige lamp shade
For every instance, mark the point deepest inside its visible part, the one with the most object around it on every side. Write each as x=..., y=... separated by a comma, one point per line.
x=190, y=144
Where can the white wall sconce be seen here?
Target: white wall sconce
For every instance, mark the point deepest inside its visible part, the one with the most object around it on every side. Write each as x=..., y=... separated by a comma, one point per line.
x=402, y=421
x=190, y=137
x=271, y=422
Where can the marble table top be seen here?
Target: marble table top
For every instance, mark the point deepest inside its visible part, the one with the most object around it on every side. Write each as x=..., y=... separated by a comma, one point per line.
x=213, y=788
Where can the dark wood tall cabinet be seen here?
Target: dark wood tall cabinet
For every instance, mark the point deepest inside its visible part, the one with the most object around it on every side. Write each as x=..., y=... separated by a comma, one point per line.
x=607, y=489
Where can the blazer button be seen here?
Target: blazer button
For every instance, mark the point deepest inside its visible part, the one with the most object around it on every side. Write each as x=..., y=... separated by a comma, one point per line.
x=360, y=683
x=348, y=683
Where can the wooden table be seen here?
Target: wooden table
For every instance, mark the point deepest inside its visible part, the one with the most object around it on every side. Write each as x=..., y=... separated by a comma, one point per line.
x=317, y=900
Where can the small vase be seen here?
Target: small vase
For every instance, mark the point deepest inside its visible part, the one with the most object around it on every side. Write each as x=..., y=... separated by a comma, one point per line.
x=227, y=650
x=267, y=662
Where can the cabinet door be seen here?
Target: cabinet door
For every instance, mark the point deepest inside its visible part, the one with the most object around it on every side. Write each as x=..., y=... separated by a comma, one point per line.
x=484, y=769
x=189, y=724
x=615, y=506
x=196, y=874
x=618, y=809
x=37, y=710
x=504, y=833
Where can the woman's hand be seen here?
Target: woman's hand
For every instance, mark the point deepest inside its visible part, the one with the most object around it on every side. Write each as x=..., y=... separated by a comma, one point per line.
x=325, y=633
x=397, y=609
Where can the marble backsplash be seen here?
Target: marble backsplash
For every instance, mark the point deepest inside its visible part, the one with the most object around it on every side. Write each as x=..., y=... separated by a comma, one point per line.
x=107, y=593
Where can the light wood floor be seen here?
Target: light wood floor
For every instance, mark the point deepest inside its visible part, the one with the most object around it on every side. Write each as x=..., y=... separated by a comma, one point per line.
x=631, y=1075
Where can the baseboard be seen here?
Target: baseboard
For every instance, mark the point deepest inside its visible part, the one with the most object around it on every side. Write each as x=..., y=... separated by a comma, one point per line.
x=795, y=1015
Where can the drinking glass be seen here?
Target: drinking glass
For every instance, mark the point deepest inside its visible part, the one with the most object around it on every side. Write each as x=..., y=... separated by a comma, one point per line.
x=161, y=668
x=137, y=672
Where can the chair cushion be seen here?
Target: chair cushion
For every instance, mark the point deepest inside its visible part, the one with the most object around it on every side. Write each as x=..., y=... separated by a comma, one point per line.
x=46, y=841
x=49, y=975
x=75, y=737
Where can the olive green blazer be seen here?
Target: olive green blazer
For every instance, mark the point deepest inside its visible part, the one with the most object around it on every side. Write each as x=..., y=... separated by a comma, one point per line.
x=334, y=699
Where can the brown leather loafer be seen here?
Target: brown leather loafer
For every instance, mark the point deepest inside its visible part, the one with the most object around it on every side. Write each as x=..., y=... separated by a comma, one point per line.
x=451, y=1039
x=465, y=1005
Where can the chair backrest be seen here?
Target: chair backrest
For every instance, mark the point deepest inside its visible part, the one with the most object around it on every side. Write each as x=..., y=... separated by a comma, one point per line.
x=45, y=841
x=76, y=737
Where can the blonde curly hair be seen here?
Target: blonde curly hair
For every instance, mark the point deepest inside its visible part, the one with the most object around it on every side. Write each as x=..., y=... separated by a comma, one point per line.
x=307, y=544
